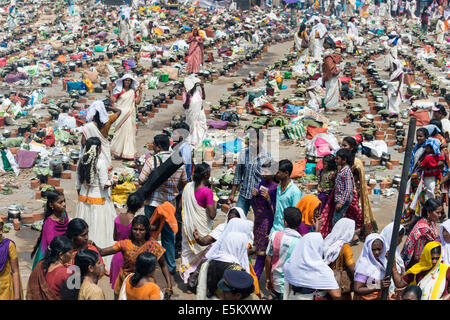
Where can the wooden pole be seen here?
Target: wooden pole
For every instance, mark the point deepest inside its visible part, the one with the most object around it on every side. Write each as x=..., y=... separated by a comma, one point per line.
x=400, y=201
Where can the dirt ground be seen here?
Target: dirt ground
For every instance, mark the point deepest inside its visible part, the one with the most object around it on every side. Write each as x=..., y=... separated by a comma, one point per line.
x=25, y=238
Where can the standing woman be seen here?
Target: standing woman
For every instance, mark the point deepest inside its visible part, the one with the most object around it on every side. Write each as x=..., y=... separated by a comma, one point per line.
x=125, y=96
x=91, y=269
x=50, y=274
x=140, y=241
x=94, y=204
x=193, y=105
x=369, y=225
x=55, y=224
x=337, y=252
x=424, y=231
x=370, y=269
x=10, y=283
x=195, y=57
x=394, y=88
x=301, y=40
x=330, y=74
x=198, y=213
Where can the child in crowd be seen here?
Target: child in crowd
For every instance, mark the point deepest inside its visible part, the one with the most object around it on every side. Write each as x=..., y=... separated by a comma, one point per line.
x=343, y=190
x=432, y=165
x=288, y=194
x=327, y=178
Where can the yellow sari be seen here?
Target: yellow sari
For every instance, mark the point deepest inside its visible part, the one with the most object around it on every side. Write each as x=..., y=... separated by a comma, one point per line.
x=370, y=225
x=433, y=284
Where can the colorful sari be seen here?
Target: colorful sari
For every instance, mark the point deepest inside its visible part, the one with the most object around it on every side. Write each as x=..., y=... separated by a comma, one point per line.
x=423, y=232
x=50, y=230
x=264, y=212
x=435, y=282
x=195, y=57
x=38, y=288
x=8, y=253
x=354, y=212
x=307, y=205
x=130, y=253
x=123, y=144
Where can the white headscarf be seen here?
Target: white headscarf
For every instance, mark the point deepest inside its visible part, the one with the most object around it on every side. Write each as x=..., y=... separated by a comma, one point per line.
x=242, y=226
x=306, y=268
x=398, y=71
x=119, y=83
x=97, y=106
x=445, y=245
x=190, y=81
x=232, y=249
x=367, y=265
x=387, y=235
x=341, y=234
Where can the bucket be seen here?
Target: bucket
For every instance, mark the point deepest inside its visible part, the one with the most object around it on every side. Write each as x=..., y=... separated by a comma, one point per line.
x=164, y=77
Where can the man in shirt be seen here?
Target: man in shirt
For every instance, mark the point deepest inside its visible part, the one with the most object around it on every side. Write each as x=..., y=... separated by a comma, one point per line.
x=248, y=171
x=281, y=245
x=344, y=185
x=168, y=191
x=288, y=194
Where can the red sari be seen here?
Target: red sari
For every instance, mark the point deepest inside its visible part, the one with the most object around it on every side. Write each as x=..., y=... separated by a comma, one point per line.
x=195, y=57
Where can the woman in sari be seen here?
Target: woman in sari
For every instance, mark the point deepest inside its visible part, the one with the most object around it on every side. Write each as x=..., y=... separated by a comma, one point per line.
x=369, y=224
x=415, y=197
x=310, y=207
x=55, y=224
x=50, y=274
x=140, y=241
x=195, y=57
x=10, y=283
x=370, y=269
x=395, y=88
x=424, y=231
x=337, y=250
x=394, y=294
x=330, y=74
x=94, y=203
x=301, y=40
x=429, y=273
x=193, y=105
x=444, y=239
x=263, y=204
x=125, y=96
x=306, y=275
x=198, y=213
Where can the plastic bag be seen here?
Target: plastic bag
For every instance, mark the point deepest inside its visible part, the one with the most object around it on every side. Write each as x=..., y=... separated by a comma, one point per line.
x=153, y=82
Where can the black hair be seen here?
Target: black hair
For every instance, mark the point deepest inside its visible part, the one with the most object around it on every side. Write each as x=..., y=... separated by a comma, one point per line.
x=437, y=123
x=59, y=245
x=162, y=140
x=134, y=202
x=442, y=109
x=144, y=266
x=76, y=227
x=52, y=196
x=181, y=125
x=293, y=217
x=140, y=220
x=285, y=166
x=88, y=163
x=84, y=259
x=96, y=119
x=347, y=155
x=352, y=143
x=424, y=131
x=414, y=289
x=401, y=232
x=429, y=206
x=200, y=172
x=331, y=161
x=234, y=211
x=436, y=250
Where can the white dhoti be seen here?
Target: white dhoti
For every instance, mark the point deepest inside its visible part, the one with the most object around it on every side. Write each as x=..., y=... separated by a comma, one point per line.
x=394, y=98
x=332, y=93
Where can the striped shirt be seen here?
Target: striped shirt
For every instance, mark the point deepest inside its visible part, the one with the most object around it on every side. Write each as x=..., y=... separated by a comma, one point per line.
x=168, y=191
x=343, y=190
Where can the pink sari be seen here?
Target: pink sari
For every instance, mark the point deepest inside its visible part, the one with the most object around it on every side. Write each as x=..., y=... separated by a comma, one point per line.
x=195, y=58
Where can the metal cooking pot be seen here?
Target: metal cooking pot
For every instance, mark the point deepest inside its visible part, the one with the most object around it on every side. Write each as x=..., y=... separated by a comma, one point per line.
x=14, y=212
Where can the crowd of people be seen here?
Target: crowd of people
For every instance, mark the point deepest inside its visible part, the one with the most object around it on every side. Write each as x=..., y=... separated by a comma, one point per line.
x=302, y=243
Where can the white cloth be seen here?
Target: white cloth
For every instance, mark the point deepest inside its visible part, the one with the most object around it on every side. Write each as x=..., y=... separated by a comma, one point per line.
x=220, y=249
x=99, y=217
x=440, y=31
x=332, y=93
x=97, y=106
x=445, y=245
x=221, y=227
x=90, y=130
x=400, y=264
x=342, y=233
x=428, y=283
x=119, y=83
x=194, y=217
x=306, y=268
x=190, y=81
x=367, y=265
x=196, y=120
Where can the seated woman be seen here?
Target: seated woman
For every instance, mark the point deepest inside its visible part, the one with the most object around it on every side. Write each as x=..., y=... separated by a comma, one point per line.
x=140, y=241
x=306, y=275
x=141, y=285
x=430, y=274
x=370, y=269
x=50, y=274
x=91, y=269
